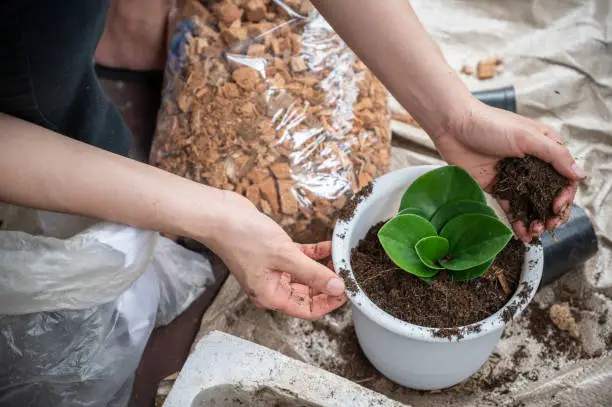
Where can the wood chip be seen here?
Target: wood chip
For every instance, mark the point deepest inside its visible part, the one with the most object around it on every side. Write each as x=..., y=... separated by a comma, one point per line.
x=246, y=78
x=258, y=175
x=281, y=171
x=257, y=50
x=253, y=194
x=363, y=104
x=228, y=12
x=487, y=67
x=485, y=70
x=289, y=204
x=255, y=10
x=195, y=8
x=270, y=194
x=298, y=65
x=363, y=179
x=232, y=36
x=266, y=208
x=467, y=70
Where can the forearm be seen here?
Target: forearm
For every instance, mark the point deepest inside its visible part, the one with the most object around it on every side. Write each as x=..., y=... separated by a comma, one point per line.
x=44, y=170
x=391, y=41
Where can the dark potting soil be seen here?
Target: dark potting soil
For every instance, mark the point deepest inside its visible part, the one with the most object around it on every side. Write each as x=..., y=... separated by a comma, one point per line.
x=348, y=210
x=441, y=303
x=530, y=185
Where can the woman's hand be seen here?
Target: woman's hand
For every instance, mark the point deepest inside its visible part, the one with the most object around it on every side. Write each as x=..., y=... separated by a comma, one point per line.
x=276, y=272
x=485, y=135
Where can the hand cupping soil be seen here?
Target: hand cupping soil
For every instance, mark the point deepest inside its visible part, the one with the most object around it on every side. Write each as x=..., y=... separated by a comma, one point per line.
x=531, y=186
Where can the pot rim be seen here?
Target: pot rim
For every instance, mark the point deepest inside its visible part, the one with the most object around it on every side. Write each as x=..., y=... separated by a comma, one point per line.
x=530, y=276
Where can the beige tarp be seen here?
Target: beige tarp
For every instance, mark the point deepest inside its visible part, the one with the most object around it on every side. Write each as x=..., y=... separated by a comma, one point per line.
x=558, y=55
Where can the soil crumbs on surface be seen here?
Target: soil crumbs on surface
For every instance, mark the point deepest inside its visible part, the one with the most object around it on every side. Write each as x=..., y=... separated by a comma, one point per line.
x=441, y=303
x=556, y=342
x=353, y=365
x=531, y=185
x=350, y=284
x=347, y=211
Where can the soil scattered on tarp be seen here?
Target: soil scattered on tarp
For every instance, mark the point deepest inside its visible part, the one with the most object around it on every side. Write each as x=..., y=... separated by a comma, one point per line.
x=531, y=186
x=556, y=342
x=441, y=303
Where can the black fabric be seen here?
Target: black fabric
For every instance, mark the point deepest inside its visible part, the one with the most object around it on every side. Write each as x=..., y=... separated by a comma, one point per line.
x=47, y=73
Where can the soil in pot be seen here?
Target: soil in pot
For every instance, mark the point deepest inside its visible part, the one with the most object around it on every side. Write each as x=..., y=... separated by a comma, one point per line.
x=531, y=186
x=441, y=303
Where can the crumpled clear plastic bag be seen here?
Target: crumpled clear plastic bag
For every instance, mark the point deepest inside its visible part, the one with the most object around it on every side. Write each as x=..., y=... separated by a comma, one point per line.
x=263, y=98
x=78, y=302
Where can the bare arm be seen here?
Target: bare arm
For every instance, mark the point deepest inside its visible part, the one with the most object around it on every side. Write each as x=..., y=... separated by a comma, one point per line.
x=44, y=170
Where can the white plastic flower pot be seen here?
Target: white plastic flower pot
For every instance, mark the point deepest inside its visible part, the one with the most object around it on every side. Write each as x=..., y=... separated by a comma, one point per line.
x=412, y=355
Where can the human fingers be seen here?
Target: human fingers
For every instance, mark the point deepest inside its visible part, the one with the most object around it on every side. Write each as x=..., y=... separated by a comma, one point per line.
x=549, y=150
x=536, y=228
x=305, y=270
x=317, y=251
x=504, y=205
x=562, y=206
x=565, y=198
x=521, y=231
x=296, y=300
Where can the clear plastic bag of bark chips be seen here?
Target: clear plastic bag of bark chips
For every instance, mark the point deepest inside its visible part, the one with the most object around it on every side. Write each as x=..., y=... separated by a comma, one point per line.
x=263, y=98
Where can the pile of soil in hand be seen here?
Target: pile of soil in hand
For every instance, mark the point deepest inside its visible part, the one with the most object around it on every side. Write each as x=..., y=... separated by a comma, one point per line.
x=441, y=303
x=531, y=186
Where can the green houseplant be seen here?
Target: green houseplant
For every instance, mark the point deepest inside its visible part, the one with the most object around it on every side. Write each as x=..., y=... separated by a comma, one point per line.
x=444, y=223
x=418, y=356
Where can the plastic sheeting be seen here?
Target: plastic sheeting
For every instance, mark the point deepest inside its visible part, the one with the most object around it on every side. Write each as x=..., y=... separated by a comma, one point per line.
x=558, y=55
x=78, y=302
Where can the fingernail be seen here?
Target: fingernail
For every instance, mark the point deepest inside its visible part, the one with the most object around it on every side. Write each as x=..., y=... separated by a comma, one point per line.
x=335, y=286
x=579, y=171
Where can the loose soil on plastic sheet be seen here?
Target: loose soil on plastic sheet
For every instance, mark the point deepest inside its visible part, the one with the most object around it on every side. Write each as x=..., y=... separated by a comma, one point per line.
x=556, y=342
x=441, y=303
x=531, y=186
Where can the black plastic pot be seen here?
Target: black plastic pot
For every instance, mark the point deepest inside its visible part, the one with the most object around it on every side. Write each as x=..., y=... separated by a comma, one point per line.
x=573, y=244
x=503, y=98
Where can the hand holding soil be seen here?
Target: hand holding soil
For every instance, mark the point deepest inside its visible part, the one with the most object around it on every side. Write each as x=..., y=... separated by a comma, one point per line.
x=487, y=135
x=274, y=271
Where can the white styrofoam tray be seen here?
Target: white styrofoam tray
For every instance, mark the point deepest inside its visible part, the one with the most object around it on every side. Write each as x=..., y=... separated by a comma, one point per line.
x=226, y=371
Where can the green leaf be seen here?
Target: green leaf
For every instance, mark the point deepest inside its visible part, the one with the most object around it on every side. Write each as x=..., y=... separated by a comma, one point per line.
x=399, y=236
x=474, y=239
x=474, y=272
x=412, y=211
x=429, y=279
x=438, y=187
x=431, y=250
x=451, y=210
